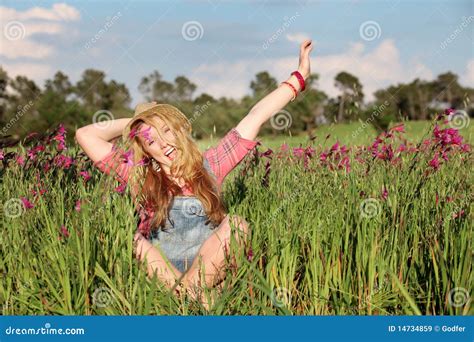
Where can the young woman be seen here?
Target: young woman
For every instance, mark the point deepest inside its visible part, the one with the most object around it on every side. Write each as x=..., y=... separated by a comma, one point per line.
x=183, y=232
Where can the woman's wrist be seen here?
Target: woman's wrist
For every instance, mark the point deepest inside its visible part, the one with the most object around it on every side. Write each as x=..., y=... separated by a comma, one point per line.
x=303, y=73
x=300, y=79
x=294, y=81
x=293, y=85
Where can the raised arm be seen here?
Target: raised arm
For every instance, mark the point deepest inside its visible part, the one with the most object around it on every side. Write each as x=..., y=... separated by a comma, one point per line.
x=263, y=110
x=95, y=138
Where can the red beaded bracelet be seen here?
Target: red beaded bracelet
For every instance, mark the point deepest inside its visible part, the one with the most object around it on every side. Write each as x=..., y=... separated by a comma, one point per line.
x=300, y=79
x=295, y=93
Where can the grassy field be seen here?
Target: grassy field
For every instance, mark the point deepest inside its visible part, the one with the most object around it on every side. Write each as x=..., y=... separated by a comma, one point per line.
x=350, y=134
x=377, y=229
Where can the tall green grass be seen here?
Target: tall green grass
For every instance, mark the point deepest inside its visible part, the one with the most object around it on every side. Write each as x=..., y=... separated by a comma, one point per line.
x=319, y=247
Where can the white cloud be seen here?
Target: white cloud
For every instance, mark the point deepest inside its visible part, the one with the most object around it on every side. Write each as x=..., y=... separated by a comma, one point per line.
x=375, y=69
x=297, y=37
x=19, y=39
x=216, y=84
x=35, y=71
x=58, y=12
x=44, y=28
x=25, y=48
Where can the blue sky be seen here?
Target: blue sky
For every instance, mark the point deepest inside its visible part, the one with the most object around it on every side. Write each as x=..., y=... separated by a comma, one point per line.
x=228, y=42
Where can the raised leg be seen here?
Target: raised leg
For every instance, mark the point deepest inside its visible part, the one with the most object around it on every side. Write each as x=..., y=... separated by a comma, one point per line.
x=207, y=268
x=156, y=263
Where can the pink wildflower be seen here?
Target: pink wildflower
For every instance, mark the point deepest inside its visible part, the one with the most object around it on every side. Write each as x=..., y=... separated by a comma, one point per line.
x=64, y=231
x=434, y=163
x=27, y=204
x=85, y=175
x=77, y=207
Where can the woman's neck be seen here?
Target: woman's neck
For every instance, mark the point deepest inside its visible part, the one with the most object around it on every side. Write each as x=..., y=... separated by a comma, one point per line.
x=176, y=180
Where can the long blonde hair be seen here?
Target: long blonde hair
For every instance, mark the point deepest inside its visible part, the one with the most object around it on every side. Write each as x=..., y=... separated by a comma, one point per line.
x=153, y=190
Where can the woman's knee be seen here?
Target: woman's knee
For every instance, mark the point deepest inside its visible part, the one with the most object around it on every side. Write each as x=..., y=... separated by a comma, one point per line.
x=236, y=224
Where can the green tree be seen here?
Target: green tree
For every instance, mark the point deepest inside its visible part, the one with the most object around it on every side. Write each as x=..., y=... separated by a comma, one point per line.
x=52, y=106
x=184, y=89
x=22, y=105
x=351, y=94
x=448, y=89
x=60, y=85
x=154, y=88
x=94, y=93
x=4, y=79
x=262, y=85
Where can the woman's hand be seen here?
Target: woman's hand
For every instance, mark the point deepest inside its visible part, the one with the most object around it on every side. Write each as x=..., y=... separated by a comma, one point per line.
x=305, y=49
x=137, y=239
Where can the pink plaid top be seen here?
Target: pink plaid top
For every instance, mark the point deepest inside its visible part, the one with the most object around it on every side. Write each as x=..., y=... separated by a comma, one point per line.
x=222, y=159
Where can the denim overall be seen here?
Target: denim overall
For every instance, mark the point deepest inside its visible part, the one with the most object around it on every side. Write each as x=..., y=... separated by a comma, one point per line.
x=185, y=230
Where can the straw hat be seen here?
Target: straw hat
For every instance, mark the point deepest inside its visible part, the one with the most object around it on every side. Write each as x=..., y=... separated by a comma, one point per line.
x=145, y=107
x=167, y=109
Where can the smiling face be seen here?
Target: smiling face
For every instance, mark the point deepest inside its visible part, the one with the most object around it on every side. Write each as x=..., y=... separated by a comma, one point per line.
x=155, y=147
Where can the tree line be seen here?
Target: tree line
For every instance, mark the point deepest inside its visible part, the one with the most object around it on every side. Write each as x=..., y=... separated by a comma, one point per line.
x=27, y=108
